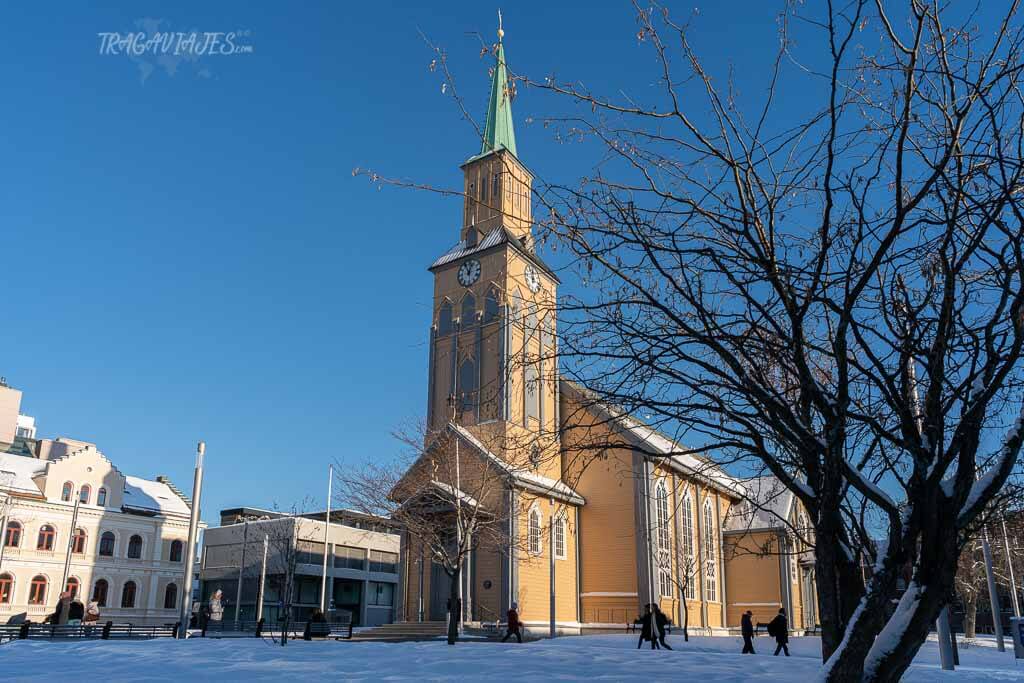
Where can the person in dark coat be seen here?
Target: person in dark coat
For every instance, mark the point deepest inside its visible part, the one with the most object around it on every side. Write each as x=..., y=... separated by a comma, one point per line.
x=76, y=611
x=779, y=629
x=747, y=629
x=515, y=627
x=661, y=621
x=647, y=627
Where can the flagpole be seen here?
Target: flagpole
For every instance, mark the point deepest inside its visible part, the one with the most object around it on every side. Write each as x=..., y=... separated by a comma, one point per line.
x=327, y=528
x=190, y=552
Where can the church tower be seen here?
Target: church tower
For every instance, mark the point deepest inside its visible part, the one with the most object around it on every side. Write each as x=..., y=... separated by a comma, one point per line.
x=492, y=349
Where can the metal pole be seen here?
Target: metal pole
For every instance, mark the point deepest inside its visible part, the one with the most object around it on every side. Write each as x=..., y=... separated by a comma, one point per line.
x=419, y=561
x=193, y=531
x=1009, y=566
x=263, y=579
x=993, y=594
x=945, y=646
x=241, y=570
x=551, y=572
x=327, y=528
x=71, y=540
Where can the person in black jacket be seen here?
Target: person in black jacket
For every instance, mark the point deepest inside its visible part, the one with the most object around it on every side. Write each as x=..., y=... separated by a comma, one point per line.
x=76, y=611
x=747, y=629
x=780, y=630
x=661, y=621
x=647, y=629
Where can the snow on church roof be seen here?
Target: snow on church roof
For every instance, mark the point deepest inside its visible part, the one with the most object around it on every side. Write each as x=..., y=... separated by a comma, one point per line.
x=767, y=506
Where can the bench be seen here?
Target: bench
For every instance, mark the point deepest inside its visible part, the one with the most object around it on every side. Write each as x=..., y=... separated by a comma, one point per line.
x=215, y=629
x=637, y=625
x=107, y=631
x=326, y=629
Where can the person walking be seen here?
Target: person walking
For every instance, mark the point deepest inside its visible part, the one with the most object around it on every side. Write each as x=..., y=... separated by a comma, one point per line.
x=647, y=627
x=515, y=627
x=779, y=629
x=661, y=621
x=747, y=629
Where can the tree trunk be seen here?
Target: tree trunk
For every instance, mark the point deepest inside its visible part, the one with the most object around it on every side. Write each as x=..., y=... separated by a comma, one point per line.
x=686, y=619
x=970, y=616
x=453, y=607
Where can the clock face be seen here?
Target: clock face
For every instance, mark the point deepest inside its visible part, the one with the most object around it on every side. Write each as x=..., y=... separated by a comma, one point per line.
x=469, y=272
x=532, y=279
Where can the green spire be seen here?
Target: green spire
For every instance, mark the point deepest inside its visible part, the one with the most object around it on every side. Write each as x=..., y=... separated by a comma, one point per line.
x=498, y=132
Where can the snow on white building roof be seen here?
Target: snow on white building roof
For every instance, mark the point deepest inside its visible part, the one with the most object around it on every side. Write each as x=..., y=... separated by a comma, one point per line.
x=453, y=492
x=17, y=473
x=153, y=496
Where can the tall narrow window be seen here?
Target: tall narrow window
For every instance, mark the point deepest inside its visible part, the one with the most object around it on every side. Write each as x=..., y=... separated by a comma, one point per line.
x=47, y=534
x=37, y=591
x=560, y=538
x=444, y=318
x=101, y=497
x=66, y=491
x=491, y=305
x=12, y=539
x=107, y=544
x=99, y=592
x=534, y=532
x=171, y=596
x=176, y=547
x=710, y=557
x=467, y=385
x=85, y=493
x=531, y=377
x=135, y=547
x=494, y=188
x=72, y=587
x=689, y=559
x=128, y=595
x=78, y=542
x=661, y=510
x=6, y=588
x=468, y=313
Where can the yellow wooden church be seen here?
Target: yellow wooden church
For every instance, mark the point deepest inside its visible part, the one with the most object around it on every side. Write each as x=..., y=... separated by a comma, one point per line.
x=603, y=512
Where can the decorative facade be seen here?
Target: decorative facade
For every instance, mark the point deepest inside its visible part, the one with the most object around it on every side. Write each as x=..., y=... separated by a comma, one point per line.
x=121, y=538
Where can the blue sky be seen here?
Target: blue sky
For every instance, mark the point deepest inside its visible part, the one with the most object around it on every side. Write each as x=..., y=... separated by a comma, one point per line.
x=189, y=256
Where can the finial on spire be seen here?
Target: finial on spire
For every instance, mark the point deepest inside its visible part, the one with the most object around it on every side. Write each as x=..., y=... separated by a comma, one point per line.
x=501, y=31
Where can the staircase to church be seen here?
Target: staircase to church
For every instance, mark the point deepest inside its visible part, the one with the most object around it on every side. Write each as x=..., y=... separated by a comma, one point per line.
x=401, y=631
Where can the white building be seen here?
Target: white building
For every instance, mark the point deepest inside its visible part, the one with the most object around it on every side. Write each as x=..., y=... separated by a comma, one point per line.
x=123, y=543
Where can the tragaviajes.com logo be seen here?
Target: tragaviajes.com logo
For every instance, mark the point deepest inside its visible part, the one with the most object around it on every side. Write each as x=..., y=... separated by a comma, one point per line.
x=176, y=43
x=154, y=45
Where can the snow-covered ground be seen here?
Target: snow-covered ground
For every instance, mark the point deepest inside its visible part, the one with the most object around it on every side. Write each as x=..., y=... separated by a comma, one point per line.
x=610, y=657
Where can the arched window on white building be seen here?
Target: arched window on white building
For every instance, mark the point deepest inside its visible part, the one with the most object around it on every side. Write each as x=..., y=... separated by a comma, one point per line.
x=689, y=556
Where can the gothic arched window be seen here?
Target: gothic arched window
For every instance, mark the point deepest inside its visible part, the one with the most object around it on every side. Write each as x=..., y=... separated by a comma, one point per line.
x=491, y=310
x=468, y=312
x=689, y=560
x=467, y=385
x=710, y=560
x=444, y=318
x=534, y=532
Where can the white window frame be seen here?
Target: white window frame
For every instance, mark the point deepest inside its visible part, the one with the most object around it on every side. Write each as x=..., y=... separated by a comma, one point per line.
x=710, y=555
x=689, y=548
x=535, y=534
x=561, y=537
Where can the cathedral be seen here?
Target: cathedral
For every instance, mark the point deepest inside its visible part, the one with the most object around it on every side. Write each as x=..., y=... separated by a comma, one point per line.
x=591, y=513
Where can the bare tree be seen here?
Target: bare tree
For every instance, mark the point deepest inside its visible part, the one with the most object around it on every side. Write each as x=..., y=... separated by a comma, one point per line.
x=837, y=297
x=448, y=499
x=834, y=294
